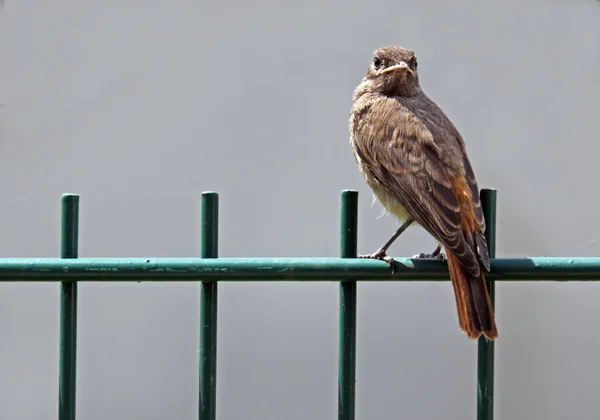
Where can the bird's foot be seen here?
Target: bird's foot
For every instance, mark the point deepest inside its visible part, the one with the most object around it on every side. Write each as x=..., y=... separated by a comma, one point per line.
x=438, y=256
x=381, y=255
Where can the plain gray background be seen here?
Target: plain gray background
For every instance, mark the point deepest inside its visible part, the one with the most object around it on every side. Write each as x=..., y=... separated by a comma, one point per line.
x=139, y=106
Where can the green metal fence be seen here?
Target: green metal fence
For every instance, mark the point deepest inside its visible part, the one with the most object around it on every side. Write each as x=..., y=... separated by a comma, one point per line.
x=208, y=269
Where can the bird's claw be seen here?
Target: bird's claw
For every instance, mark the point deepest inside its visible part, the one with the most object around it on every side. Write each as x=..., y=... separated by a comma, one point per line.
x=439, y=256
x=380, y=255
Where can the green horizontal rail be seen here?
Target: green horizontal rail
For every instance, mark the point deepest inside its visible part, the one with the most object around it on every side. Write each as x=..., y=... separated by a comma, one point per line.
x=283, y=269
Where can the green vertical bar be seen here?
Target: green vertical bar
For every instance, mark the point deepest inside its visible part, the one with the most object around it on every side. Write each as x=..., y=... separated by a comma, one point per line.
x=347, y=351
x=208, y=310
x=68, y=311
x=485, y=348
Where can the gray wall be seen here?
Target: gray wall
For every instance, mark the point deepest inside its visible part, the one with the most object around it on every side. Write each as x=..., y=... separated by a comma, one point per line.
x=140, y=105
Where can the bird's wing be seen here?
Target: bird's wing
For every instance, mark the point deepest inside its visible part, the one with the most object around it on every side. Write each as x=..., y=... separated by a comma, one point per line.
x=402, y=155
x=453, y=134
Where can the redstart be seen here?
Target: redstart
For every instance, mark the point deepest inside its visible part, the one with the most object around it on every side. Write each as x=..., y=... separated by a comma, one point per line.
x=415, y=161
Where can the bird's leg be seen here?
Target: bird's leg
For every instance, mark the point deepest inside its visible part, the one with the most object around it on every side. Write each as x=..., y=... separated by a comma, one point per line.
x=437, y=253
x=381, y=254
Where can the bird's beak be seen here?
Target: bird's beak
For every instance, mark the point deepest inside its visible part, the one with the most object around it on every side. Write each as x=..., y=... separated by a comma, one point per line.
x=401, y=66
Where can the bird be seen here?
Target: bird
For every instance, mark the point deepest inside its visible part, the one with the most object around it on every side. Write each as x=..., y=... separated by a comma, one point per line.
x=415, y=161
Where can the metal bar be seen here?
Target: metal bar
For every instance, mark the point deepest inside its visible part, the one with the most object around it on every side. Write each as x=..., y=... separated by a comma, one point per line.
x=485, y=348
x=284, y=269
x=347, y=334
x=68, y=311
x=208, y=310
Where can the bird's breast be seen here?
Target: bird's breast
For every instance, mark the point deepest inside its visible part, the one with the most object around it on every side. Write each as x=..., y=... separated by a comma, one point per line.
x=388, y=200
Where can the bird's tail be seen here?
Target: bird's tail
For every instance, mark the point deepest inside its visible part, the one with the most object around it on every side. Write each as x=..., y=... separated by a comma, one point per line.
x=473, y=304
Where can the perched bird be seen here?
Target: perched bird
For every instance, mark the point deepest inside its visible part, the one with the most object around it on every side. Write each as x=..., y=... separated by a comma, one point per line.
x=415, y=161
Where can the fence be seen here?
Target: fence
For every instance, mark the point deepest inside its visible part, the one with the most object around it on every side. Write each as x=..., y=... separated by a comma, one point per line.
x=208, y=269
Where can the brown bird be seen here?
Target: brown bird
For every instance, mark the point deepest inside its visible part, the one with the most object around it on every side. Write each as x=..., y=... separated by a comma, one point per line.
x=415, y=161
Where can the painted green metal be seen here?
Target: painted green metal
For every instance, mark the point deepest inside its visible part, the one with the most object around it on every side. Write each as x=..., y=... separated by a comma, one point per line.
x=208, y=310
x=283, y=269
x=68, y=311
x=347, y=334
x=485, y=348
x=208, y=269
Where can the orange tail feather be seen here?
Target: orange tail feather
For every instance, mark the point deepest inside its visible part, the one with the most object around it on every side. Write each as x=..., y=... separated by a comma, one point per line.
x=473, y=304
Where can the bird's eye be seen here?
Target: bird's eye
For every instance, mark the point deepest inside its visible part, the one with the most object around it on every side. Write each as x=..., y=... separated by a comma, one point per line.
x=413, y=62
x=377, y=63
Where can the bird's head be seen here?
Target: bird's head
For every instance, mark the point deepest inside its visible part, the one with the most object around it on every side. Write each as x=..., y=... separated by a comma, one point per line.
x=393, y=71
